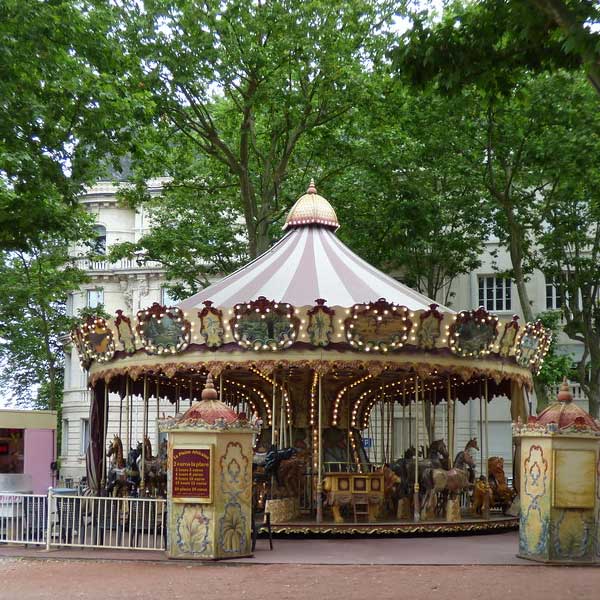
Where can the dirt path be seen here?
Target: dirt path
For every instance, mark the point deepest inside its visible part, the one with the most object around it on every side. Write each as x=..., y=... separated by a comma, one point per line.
x=24, y=579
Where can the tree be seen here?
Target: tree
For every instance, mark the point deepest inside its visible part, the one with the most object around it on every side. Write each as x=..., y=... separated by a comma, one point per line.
x=403, y=175
x=69, y=97
x=241, y=83
x=556, y=365
x=493, y=43
x=570, y=236
x=33, y=290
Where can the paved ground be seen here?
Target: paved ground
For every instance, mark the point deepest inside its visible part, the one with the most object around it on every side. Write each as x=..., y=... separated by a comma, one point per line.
x=25, y=579
x=498, y=549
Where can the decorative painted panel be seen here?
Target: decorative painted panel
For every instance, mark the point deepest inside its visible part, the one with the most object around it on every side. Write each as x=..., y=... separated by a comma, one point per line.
x=163, y=330
x=378, y=326
x=473, y=333
x=211, y=325
x=265, y=325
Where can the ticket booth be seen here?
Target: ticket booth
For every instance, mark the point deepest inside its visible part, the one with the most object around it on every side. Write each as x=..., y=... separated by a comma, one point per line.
x=209, y=481
x=560, y=484
x=27, y=450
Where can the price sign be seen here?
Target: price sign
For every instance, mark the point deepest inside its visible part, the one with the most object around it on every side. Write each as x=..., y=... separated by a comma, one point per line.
x=191, y=475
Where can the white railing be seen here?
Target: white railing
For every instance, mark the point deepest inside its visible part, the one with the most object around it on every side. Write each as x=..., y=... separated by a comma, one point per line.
x=123, y=264
x=574, y=388
x=83, y=521
x=23, y=518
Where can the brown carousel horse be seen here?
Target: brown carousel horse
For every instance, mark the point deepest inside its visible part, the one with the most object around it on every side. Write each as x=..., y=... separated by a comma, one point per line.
x=465, y=459
x=448, y=483
x=155, y=470
x=116, y=480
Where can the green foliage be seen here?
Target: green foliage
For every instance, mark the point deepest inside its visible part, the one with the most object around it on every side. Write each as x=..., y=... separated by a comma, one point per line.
x=238, y=85
x=70, y=96
x=33, y=290
x=493, y=43
x=403, y=175
x=87, y=312
x=556, y=365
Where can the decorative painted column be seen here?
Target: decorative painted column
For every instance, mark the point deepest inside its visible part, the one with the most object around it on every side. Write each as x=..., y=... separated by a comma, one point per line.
x=560, y=484
x=209, y=481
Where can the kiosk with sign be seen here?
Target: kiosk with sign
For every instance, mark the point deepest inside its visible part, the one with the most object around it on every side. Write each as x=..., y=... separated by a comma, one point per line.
x=560, y=484
x=210, y=480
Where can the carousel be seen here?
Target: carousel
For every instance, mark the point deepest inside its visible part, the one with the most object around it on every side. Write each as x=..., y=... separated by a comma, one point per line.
x=350, y=378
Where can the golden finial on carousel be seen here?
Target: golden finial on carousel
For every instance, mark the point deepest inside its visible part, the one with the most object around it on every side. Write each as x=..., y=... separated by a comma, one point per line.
x=312, y=209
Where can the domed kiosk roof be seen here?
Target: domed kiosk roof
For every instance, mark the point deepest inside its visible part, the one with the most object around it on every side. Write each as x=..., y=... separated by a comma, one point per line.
x=309, y=262
x=566, y=414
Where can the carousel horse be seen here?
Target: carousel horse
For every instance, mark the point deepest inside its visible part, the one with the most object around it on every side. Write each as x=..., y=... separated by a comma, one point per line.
x=503, y=495
x=116, y=480
x=152, y=469
x=465, y=459
x=133, y=472
x=436, y=457
x=440, y=483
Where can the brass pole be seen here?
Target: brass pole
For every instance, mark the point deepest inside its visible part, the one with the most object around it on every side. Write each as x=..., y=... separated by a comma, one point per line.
x=104, y=432
x=157, y=408
x=144, y=431
x=417, y=509
x=480, y=431
x=320, y=451
x=127, y=415
x=273, y=415
x=450, y=424
x=485, y=400
x=403, y=428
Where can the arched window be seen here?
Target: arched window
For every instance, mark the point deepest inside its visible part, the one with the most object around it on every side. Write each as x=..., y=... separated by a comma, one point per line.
x=99, y=242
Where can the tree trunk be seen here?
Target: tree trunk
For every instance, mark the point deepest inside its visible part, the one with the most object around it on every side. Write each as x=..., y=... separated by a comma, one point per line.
x=516, y=257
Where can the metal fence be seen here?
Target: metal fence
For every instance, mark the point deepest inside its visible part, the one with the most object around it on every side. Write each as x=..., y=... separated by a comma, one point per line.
x=83, y=521
x=23, y=518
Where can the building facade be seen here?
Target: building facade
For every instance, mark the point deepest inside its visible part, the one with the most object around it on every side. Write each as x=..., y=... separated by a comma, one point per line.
x=135, y=284
x=128, y=283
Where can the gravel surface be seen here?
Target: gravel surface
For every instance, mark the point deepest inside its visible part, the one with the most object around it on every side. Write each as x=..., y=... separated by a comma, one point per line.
x=26, y=579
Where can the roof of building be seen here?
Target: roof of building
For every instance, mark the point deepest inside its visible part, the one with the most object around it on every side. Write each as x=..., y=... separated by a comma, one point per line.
x=309, y=262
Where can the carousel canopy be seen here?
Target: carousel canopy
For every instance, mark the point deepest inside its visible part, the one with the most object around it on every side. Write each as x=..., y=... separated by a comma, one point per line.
x=309, y=262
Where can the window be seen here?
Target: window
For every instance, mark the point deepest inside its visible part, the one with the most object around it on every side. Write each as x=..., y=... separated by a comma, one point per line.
x=554, y=298
x=495, y=293
x=64, y=438
x=95, y=298
x=69, y=305
x=99, y=242
x=85, y=436
x=553, y=295
x=165, y=297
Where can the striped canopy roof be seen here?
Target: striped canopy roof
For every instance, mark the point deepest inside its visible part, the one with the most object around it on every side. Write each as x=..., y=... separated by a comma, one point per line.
x=309, y=262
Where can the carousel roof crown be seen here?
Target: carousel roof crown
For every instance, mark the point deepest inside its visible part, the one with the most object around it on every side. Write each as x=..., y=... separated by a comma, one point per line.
x=311, y=209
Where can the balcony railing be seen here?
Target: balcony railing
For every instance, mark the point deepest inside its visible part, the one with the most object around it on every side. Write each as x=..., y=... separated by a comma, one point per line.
x=123, y=264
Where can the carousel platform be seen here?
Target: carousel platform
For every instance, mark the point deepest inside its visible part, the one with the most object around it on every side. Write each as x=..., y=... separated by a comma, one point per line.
x=467, y=525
